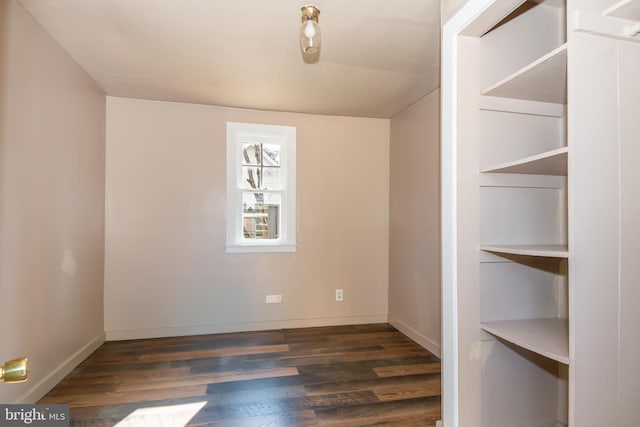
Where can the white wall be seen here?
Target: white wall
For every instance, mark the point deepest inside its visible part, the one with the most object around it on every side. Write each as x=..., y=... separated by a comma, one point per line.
x=414, y=253
x=52, y=127
x=166, y=270
x=604, y=235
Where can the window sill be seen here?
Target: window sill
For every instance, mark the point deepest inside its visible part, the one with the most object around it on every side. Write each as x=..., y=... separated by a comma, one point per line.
x=252, y=249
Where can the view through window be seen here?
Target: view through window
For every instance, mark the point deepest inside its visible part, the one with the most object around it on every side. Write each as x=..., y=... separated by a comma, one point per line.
x=261, y=196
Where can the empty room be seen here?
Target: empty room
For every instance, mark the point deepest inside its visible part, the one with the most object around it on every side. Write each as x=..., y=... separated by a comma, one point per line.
x=204, y=223
x=345, y=213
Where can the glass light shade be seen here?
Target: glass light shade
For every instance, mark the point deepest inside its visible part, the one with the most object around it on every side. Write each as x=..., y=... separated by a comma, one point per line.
x=310, y=37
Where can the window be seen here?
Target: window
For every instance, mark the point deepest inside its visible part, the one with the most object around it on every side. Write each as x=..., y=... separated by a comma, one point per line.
x=261, y=188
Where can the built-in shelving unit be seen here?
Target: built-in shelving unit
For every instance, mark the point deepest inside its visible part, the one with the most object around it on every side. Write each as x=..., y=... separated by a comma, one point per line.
x=542, y=212
x=523, y=218
x=548, y=337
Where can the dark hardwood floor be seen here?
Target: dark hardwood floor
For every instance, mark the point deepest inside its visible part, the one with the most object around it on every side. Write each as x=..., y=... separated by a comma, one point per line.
x=364, y=375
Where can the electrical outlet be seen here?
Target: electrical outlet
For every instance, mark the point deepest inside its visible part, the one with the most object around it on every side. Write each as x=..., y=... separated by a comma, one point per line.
x=339, y=295
x=274, y=299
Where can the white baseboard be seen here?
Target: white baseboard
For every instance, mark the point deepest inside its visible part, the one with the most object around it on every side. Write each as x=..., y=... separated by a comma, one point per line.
x=36, y=392
x=131, y=334
x=426, y=342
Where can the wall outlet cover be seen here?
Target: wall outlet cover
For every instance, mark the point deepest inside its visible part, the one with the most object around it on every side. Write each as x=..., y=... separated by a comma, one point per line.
x=274, y=299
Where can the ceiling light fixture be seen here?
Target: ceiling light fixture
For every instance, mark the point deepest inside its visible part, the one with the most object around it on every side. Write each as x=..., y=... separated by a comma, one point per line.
x=310, y=31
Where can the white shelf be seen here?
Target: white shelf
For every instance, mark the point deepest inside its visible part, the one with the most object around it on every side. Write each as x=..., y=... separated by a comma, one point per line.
x=550, y=163
x=548, y=337
x=520, y=106
x=522, y=180
x=551, y=251
x=544, y=80
x=625, y=9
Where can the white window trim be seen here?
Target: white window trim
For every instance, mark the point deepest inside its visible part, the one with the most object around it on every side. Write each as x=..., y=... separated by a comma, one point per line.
x=286, y=137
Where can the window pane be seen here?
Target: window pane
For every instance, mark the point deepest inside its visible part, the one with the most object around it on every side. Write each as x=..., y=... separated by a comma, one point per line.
x=271, y=179
x=261, y=215
x=271, y=154
x=261, y=178
x=251, y=154
x=251, y=177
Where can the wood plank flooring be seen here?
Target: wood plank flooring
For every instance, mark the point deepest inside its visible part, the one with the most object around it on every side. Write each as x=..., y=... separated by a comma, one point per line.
x=363, y=375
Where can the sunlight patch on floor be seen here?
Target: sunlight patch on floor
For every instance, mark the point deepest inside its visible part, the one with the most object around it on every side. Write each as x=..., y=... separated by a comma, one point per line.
x=162, y=416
